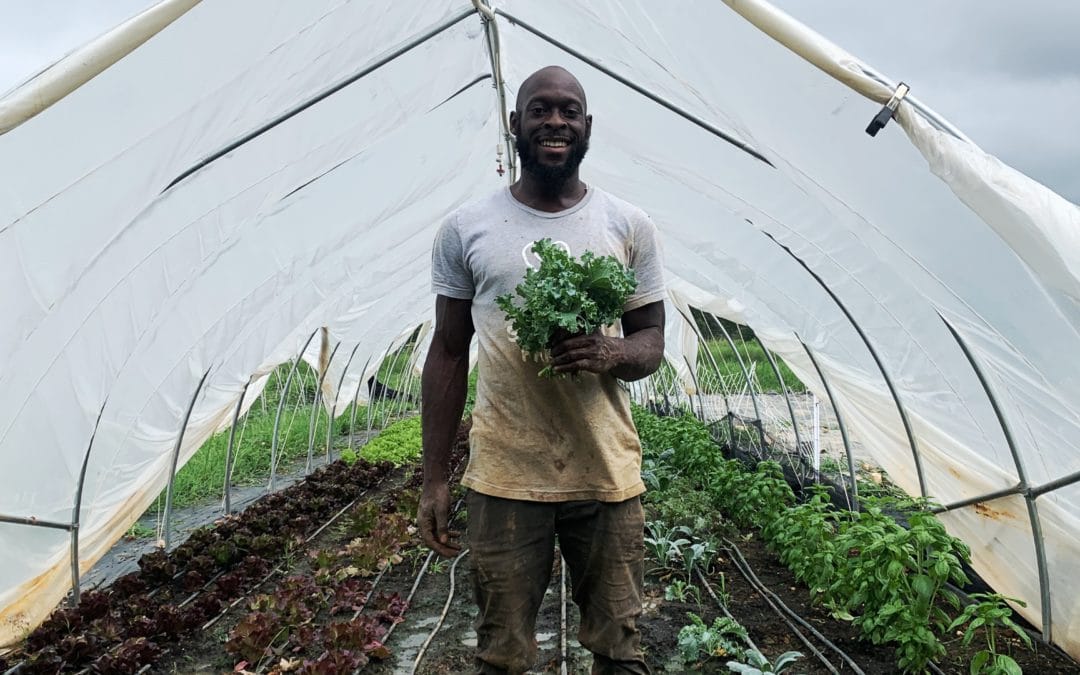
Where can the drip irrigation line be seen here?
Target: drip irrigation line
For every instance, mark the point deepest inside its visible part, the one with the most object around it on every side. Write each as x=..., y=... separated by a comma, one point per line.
x=281, y=566
x=723, y=607
x=934, y=668
x=784, y=611
x=442, y=617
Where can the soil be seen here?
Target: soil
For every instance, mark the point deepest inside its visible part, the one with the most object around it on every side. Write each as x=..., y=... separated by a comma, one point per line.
x=439, y=622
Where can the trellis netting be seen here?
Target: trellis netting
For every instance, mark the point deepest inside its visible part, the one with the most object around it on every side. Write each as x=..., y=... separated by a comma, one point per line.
x=245, y=177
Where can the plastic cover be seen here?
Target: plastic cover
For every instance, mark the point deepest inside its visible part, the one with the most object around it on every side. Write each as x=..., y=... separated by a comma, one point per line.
x=119, y=289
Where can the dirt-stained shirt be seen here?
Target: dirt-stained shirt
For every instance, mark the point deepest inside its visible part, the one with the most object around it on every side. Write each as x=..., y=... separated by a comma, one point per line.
x=535, y=438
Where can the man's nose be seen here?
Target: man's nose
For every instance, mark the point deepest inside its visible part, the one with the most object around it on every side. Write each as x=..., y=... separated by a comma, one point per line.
x=555, y=120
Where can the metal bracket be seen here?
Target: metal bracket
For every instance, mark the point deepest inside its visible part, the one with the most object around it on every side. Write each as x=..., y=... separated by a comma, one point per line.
x=887, y=113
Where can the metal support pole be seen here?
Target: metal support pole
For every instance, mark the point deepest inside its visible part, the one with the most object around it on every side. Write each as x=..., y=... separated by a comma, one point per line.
x=853, y=484
x=701, y=404
x=1021, y=474
x=337, y=395
x=281, y=407
x=333, y=89
x=639, y=89
x=176, y=458
x=877, y=359
x=979, y=499
x=76, y=511
x=1056, y=484
x=229, y=449
x=749, y=387
x=356, y=396
x=315, y=409
x=35, y=522
x=785, y=391
x=371, y=394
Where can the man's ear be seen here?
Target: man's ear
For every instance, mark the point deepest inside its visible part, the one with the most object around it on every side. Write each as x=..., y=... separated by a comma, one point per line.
x=588, y=126
x=514, y=122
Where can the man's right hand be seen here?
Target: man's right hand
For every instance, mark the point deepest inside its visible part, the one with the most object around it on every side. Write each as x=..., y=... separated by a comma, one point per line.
x=433, y=519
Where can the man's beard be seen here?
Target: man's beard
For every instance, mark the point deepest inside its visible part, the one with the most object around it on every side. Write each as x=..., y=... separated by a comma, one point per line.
x=551, y=177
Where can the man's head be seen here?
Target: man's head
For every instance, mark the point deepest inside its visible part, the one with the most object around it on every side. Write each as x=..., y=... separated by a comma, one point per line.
x=551, y=125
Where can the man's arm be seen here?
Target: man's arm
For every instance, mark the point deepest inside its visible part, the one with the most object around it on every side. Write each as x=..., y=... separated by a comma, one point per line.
x=628, y=358
x=444, y=386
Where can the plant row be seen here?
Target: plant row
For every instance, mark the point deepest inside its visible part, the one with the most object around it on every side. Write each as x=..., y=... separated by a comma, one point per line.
x=892, y=582
x=121, y=628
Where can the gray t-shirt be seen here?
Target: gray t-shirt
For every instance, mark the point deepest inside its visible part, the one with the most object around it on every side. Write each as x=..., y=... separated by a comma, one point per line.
x=534, y=438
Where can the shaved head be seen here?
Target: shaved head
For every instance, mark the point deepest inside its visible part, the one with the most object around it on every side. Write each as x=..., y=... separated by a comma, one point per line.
x=546, y=77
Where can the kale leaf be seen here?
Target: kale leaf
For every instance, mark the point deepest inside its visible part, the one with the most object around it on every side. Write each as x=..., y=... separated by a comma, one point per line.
x=566, y=297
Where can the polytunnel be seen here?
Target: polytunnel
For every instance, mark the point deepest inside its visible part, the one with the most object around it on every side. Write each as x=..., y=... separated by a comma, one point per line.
x=234, y=179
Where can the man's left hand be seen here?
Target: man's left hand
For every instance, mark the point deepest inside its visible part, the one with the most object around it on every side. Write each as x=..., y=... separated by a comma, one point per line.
x=594, y=353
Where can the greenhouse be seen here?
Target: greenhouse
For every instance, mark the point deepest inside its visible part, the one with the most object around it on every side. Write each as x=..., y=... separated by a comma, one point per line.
x=217, y=221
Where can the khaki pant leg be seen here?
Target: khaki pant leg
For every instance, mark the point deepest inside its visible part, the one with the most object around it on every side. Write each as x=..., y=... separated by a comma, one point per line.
x=512, y=548
x=604, y=550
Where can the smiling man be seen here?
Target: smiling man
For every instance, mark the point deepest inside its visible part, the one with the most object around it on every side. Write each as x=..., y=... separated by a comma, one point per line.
x=550, y=459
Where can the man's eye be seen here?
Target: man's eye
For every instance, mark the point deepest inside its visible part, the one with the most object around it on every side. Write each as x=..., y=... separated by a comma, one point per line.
x=537, y=110
x=571, y=113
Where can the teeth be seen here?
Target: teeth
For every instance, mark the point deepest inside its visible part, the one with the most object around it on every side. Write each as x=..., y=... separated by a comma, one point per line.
x=554, y=143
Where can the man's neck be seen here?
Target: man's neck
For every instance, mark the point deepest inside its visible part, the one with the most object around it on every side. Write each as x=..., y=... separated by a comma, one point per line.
x=544, y=196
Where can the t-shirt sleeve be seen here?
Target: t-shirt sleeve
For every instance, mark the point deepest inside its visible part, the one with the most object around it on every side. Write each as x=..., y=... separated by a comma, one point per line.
x=646, y=259
x=450, y=275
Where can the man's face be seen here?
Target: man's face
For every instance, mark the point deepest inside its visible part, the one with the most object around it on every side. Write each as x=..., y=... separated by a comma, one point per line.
x=552, y=128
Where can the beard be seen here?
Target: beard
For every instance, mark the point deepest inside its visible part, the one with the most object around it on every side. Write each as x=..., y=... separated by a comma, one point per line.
x=551, y=176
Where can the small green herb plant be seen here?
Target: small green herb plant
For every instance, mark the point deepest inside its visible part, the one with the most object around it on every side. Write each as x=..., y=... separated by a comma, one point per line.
x=990, y=613
x=565, y=297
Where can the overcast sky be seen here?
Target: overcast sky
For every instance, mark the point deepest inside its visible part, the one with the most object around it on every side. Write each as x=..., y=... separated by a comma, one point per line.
x=1005, y=72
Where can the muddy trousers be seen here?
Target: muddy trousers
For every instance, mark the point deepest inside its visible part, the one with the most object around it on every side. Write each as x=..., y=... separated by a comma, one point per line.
x=512, y=550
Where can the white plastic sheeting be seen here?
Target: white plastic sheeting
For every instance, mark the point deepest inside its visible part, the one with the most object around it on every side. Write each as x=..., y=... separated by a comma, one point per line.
x=114, y=288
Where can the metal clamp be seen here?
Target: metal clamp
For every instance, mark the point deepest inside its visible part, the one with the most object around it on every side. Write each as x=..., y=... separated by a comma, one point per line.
x=886, y=114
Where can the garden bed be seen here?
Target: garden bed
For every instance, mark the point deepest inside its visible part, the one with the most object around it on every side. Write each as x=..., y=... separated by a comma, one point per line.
x=362, y=594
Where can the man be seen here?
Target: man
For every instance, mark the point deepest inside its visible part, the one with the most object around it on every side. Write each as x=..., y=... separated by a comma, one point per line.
x=550, y=458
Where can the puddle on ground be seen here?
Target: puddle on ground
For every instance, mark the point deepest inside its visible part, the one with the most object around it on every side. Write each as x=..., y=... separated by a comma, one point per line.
x=406, y=648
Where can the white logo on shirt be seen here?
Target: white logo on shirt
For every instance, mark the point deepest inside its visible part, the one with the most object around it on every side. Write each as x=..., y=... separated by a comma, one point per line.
x=532, y=261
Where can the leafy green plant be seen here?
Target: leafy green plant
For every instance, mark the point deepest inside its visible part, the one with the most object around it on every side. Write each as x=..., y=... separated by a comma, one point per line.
x=681, y=591
x=565, y=297
x=802, y=537
x=398, y=443
x=349, y=456
x=991, y=614
x=699, y=642
x=757, y=664
x=697, y=556
x=664, y=544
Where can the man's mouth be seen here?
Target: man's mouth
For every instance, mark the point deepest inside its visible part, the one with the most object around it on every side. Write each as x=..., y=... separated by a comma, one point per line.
x=554, y=142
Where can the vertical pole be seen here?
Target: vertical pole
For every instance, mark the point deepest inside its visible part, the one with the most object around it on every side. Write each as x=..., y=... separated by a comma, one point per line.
x=785, y=391
x=749, y=386
x=839, y=421
x=337, y=395
x=356, y=396
x=229, y=450
x=176, y=459
x=315, y=408
x=880, y=364
x=1021, y=473
x=281, y=407
x=371, y=397
x=77, y=509
x=701, y=405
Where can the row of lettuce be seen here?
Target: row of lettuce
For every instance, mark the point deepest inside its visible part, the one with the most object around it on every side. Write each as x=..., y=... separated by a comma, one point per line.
x=894, y=583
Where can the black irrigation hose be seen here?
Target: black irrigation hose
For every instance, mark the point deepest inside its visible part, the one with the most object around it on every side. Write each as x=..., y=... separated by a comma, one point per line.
x=784, y=611
x=281, y=566
x=442, y=617
x=934, y=668
x=723, y=607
